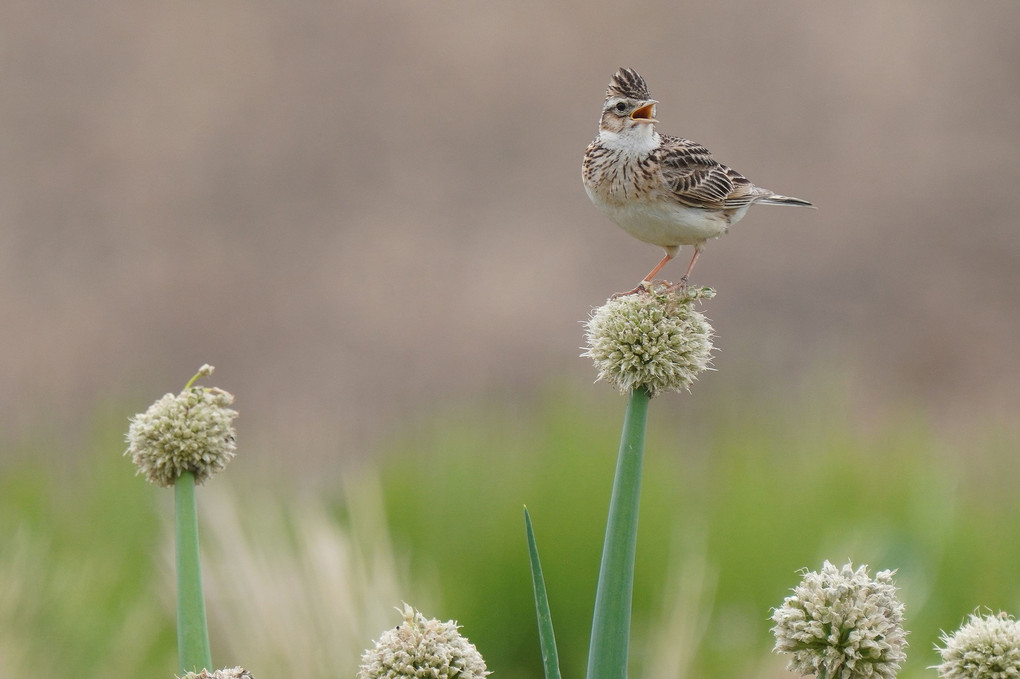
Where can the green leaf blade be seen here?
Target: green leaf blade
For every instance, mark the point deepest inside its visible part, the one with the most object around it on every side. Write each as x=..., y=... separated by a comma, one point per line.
x=546, y=636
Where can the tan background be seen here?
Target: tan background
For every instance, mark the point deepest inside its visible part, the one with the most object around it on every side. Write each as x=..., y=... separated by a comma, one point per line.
x=361, y=210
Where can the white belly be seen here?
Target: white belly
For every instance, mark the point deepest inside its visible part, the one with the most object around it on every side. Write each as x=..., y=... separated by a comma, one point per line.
x=668, y=225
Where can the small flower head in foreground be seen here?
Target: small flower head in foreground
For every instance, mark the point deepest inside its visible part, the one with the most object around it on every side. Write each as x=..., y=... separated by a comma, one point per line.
x=984, y=648
x=842, y=624
x=228, y=673
x=192, y=431
x=421, y=648
x=656, y=341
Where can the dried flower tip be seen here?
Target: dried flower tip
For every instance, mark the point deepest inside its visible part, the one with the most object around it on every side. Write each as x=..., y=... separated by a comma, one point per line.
x=421, y=648
x=842, y=624
x=229, y=673
x=657, y=341
x=984, y=648
x=192, y=432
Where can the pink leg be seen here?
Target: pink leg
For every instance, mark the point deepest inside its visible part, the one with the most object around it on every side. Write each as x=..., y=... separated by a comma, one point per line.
x=658, y=268
x=690, y=267
x=646, y=283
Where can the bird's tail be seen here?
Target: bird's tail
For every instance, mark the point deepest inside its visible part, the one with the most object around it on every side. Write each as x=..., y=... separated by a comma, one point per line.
x=776, y=199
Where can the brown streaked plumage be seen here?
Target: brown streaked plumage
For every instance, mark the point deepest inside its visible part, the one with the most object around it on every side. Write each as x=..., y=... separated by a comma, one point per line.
x=667, y=191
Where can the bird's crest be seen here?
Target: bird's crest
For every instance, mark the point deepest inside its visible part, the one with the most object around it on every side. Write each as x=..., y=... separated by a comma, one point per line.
x=629, y=84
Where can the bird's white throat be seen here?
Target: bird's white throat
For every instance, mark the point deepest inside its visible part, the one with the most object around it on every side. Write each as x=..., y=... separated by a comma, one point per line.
x=639, y=139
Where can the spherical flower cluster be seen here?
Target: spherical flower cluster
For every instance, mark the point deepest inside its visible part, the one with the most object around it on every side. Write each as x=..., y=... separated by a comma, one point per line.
x=984, y=648
x=658, y=342
x=226, y=673
x=842, y=624
x=192, y=432
x=422, y=648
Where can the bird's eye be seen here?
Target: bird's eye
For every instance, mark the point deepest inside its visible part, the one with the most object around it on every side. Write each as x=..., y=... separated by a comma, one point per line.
x=621, y=107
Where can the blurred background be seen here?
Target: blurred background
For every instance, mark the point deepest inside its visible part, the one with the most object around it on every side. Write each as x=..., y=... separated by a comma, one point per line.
x=369, y=217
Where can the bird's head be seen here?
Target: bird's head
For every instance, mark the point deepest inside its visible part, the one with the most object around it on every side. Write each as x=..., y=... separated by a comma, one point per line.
x=628, y=104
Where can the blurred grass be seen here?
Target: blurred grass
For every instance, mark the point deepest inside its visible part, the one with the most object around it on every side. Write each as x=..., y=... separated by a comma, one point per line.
x=79, y=551
x=758, y=489
x=751, y=489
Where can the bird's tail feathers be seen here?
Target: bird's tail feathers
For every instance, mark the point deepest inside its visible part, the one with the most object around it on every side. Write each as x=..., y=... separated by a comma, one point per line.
x=776, y=199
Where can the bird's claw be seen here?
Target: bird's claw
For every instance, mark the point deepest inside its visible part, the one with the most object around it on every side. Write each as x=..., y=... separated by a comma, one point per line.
x=656, y=287
x=643, y=286
x=681, y=286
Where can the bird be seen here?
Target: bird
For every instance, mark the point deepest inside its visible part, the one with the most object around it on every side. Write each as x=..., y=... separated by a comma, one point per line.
x=664, y=190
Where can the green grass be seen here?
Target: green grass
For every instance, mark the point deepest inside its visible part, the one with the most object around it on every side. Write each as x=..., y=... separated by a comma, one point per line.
x=755, y=489
x=79, y=553
x=765, y=490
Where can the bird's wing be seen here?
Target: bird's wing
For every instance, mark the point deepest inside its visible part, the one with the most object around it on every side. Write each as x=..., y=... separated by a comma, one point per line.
x=696, y=179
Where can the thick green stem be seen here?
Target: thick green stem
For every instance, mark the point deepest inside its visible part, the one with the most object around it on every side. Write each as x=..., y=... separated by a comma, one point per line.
x=193, y=650
x=610, y=634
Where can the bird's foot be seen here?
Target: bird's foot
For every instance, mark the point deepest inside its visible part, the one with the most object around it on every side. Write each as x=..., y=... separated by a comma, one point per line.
x=656, y=287
x=643, y=286
x=681, y=286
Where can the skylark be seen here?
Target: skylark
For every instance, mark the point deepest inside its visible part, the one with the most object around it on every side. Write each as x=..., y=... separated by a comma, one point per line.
x=663, y=190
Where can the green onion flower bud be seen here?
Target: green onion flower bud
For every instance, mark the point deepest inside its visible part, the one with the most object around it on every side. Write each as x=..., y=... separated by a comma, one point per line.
x=421, y=648
x=192, y=431
x=984, y=648
x=655, y=341
x=227, y=673
x=842, y=624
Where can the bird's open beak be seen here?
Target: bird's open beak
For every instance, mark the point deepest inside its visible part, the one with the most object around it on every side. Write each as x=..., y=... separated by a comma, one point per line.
x=646, y=113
